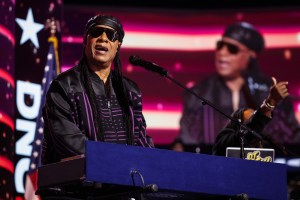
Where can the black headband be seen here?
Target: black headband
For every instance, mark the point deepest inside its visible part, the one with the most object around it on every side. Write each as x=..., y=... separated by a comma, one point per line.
x=107, y=21
x=246, y=34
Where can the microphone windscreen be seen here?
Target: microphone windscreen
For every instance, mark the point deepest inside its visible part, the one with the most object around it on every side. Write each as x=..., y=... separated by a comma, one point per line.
x=134, y=60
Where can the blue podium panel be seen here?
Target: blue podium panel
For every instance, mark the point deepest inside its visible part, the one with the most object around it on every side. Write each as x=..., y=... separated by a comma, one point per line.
x=185, y=172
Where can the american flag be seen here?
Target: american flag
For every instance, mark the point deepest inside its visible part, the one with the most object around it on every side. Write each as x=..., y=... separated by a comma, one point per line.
x=50, y=72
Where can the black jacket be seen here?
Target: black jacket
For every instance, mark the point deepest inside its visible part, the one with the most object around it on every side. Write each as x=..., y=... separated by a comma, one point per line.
x=69, y=120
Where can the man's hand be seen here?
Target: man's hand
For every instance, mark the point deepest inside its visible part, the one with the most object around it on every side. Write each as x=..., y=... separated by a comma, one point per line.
x=278, y=92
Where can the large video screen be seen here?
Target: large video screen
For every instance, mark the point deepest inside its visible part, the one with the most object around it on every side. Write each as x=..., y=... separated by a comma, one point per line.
x=183, y=42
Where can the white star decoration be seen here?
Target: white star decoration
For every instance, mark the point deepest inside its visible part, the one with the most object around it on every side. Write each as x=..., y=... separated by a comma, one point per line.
x=30, y=29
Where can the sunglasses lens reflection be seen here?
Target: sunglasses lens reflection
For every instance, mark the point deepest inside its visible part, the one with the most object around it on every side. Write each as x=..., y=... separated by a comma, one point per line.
x=112, y=35
x=233, y=49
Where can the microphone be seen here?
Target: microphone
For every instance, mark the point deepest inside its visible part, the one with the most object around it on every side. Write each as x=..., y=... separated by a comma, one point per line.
x=137, y=61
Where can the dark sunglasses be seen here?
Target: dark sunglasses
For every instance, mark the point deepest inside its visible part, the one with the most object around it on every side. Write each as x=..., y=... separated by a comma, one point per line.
x=233, y=49
x=111, y=34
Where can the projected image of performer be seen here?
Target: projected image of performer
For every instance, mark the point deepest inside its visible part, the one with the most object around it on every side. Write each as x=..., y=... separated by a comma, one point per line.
x=237, y=83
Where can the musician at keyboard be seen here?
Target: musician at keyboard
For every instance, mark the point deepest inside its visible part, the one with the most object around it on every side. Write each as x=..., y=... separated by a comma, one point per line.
x=92, y=101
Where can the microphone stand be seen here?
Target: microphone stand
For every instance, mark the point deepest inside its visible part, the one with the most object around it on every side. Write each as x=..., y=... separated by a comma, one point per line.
x=242, y=153
x=242, y=134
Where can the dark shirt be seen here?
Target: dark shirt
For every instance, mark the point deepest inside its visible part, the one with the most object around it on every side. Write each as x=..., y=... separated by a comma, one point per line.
x=113, y=123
